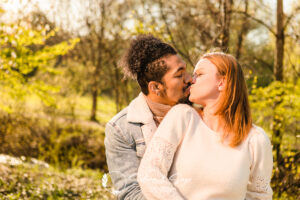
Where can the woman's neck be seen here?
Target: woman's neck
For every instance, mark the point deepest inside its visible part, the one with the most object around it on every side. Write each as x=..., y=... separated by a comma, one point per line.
x=213, y=121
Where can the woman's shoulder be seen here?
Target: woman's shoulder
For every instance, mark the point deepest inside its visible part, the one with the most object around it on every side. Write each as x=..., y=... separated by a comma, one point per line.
x=260, y=149
x=175, y=124
x=258, y=135
x=180, y=114
x=182, y=108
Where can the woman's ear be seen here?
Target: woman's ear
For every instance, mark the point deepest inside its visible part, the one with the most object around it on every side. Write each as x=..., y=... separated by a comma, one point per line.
x=221, y=84
x=153, y=87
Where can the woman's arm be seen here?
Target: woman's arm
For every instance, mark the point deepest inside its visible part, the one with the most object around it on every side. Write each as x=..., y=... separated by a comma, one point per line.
x=258, y=187
x=158, y=158
x=153, y=171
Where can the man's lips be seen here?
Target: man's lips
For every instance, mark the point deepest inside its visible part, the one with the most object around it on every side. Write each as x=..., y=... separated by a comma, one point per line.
x=187, y=89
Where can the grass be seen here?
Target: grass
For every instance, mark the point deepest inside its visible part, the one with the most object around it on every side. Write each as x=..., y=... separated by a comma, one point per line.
x=28, y=181
x=32, y=181
x=74, y=106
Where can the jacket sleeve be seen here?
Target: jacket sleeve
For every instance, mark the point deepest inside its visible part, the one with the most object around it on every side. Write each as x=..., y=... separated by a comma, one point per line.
x=122, y=163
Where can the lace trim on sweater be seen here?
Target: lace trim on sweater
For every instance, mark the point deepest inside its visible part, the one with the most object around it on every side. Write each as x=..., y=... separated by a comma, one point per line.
x=154, y=168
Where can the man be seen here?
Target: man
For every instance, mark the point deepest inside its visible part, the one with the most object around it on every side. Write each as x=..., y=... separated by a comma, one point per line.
x=164, y=82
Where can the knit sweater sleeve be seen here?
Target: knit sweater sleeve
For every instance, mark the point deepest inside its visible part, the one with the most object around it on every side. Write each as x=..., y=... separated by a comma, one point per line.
x=158, y=158
x=258, y=187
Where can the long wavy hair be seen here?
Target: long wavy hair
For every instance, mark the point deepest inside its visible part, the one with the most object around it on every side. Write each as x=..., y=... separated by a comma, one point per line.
x=233, y=107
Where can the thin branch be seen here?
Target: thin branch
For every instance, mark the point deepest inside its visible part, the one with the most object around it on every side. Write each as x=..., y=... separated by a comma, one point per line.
x=291, y=17
x=256, y=20
x=244, y=29
x=293, y=66
x=186, y=56
x=214, y=40
x=211, y=8
x=269, y=66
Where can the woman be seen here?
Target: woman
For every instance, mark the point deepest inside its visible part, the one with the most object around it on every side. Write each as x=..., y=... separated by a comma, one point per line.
x=215, y=153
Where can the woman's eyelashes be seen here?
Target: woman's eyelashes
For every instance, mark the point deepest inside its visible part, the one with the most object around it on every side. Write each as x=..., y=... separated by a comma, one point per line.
x=197, y=74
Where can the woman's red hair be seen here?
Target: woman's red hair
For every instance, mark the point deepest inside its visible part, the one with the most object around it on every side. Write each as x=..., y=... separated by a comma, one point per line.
x=233, y=107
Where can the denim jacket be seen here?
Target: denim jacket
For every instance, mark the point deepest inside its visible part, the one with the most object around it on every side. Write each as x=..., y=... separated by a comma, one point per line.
x=126, y=137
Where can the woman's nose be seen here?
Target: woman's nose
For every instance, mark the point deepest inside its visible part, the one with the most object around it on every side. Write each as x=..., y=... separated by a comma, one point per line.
x=194, y=78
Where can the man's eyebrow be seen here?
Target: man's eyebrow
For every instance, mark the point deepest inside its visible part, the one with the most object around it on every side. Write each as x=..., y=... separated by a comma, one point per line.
x=179, y=69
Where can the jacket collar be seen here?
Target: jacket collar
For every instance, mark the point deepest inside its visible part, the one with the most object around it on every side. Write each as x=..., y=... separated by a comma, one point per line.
x=139, y=111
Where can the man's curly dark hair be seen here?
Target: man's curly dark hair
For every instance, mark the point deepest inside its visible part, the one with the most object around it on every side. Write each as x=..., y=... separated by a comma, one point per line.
x=143, y=60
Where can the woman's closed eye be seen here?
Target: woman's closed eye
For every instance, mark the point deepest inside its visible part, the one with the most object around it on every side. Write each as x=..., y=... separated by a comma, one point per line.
x=196, y=75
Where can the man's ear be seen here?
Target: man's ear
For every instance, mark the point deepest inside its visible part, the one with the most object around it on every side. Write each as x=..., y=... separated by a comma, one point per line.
x=221, y=84
x=153, y=87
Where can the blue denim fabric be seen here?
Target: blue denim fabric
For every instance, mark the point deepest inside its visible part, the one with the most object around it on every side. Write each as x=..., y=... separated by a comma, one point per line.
x=125, y=146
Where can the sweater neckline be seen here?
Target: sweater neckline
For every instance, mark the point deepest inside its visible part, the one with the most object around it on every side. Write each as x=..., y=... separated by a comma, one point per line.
x=216, y=134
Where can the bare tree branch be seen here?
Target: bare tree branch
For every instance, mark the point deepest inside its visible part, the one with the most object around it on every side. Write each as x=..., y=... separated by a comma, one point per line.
x=186, y=56
x=268, y=65
x=242, y=32
x=292, y=64
x=291, y=17
x=256, y=20
x=212, y=9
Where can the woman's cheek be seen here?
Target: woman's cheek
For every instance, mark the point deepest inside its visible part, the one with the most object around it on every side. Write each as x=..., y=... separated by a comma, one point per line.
x=194, y=93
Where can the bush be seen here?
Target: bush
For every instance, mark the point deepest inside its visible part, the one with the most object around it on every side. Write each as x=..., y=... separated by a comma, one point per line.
x=61, y=142
x=276, y=108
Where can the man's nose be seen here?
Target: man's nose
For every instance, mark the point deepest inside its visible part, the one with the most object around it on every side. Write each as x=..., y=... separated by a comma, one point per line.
x=188, y=78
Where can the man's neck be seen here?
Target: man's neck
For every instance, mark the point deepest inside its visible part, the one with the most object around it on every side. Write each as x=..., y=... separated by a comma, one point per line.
x=158, y=109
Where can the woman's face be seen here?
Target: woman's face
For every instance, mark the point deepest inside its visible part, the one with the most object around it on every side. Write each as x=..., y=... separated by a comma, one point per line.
x=206, y=83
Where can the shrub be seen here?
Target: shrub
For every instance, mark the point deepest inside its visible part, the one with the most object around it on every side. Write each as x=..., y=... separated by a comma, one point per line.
x=61, y=142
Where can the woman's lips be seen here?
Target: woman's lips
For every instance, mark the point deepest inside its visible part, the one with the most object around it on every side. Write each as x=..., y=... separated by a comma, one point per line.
x=190, y=88
x=187, y=90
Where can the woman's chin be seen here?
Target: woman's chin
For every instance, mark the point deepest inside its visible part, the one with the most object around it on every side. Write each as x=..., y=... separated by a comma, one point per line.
x=195, y=100
x=191, y=99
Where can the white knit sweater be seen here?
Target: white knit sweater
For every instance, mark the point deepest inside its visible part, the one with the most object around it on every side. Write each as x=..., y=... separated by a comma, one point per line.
x=186, y=160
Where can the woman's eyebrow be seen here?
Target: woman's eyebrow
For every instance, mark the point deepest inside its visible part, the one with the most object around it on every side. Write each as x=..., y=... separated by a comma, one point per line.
x=198, y=69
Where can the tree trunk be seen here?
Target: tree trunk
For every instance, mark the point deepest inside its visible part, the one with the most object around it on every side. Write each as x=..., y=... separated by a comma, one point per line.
x=227, y=8
x=95, y=91
x=94, y=101
x=242, y=33
x=127, y=98
x=117, y=87
x=278, y=68
x=278, y=74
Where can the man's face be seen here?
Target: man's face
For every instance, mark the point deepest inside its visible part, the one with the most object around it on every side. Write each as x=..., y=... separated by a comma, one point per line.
x=176, y=81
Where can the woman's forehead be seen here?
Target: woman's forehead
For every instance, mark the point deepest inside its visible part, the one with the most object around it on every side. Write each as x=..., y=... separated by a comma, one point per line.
x=203, y=64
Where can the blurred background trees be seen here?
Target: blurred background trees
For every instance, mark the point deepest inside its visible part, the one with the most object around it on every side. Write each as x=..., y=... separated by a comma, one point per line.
x=61, y=79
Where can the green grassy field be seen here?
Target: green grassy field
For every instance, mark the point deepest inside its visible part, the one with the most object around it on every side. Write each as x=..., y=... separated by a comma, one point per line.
x=70, y=116
x=71, y=145
x=76, y=107
x=33, y=180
